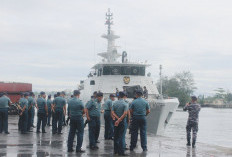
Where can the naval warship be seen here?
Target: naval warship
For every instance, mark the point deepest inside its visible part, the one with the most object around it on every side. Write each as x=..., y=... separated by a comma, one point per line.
x=111, y=74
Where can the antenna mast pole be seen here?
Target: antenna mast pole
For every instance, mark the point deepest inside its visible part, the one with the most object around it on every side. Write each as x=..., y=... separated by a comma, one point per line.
x=161, y=82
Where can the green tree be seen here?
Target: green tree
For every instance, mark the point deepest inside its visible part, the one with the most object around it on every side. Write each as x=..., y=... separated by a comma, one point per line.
x=228, y=97
x=181, y=85
x=220, y=93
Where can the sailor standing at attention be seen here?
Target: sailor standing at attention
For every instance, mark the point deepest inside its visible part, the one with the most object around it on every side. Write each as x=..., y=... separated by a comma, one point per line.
x=49, y=104
x=59, y=107
x=30, y=112
x=127, y=121
x=119, y=111
x=53, y=110
x=4, y=105
x=76, y=112
x=193, y=109
x=24, y=113
x=109, y=126
x=42, y=112
x=139, y=109
x=33, y=110
x=20, y=110
x=93, y=113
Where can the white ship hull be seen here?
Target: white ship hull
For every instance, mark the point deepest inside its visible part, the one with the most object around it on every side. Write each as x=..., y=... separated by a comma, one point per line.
x=161, y=112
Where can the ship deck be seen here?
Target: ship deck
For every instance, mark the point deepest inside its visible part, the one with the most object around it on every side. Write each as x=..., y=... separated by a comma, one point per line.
x=32, y=144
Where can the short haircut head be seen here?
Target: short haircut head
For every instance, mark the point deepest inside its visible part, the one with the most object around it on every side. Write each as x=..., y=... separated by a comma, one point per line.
x=58, y=94
x=194, y=98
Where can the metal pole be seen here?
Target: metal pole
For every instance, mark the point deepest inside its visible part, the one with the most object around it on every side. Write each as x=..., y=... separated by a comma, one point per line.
x=161, y=89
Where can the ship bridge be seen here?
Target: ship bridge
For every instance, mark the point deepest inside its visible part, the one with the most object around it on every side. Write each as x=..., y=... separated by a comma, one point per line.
x=134, y=69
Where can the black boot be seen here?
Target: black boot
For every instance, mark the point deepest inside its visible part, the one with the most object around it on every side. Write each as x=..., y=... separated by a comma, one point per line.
x=188, y=142
x=193, y=144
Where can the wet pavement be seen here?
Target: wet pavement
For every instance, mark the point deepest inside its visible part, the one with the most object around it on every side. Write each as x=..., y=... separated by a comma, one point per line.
x=33, y=144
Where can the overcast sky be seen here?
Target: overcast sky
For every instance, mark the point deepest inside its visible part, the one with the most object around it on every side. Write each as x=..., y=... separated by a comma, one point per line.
x=53, y=43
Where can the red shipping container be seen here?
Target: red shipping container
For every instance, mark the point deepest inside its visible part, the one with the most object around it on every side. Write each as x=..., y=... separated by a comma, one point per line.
x=14, y=89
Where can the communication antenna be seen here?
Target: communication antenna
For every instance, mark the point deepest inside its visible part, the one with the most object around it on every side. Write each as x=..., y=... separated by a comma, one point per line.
x=161, y=82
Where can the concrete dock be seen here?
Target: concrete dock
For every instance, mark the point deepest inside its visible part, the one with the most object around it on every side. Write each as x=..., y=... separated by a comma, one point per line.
x=33, y=144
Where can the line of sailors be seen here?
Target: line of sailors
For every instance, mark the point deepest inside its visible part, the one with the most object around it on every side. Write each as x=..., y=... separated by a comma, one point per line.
x=118, y=114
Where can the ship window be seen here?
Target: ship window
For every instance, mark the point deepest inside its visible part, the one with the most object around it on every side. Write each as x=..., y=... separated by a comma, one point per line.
x=142, y=71
x=106, y=70
x=122, y=70
x=134, y=70
x=92, y=82
x=115, y=70
x=126, y=70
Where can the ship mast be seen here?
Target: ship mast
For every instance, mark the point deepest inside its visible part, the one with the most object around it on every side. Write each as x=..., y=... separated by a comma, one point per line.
x=111, y=55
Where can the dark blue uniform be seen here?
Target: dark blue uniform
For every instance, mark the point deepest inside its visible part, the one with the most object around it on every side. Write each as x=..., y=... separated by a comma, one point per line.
x=41, y=115
x=193, y=120
x=4, y=102
x=126, y=125
x=20, y=117
x=59, y=103
x=109, y=127
x=33, y=112
x=30, y=112
x=139, y=107
x=76, y=109
x=94, y=110
x=49, y=104
x=24, y=116
x=119, y=107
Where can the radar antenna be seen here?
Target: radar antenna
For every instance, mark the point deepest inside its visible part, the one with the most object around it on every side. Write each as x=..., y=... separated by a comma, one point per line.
x=111, y=55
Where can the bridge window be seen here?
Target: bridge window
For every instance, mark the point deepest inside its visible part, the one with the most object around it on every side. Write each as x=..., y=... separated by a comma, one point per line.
x=92, y=82
x=124, y=70
x=115, y=70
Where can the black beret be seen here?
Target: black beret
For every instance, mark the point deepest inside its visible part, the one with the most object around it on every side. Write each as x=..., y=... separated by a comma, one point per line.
x=99, y=94
x=42, y=93
x=139, y=91
x=112, y=95
x=122, y=94
x=194, y=98
x=31, y=93
x=76, y=92
x=26, y=94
